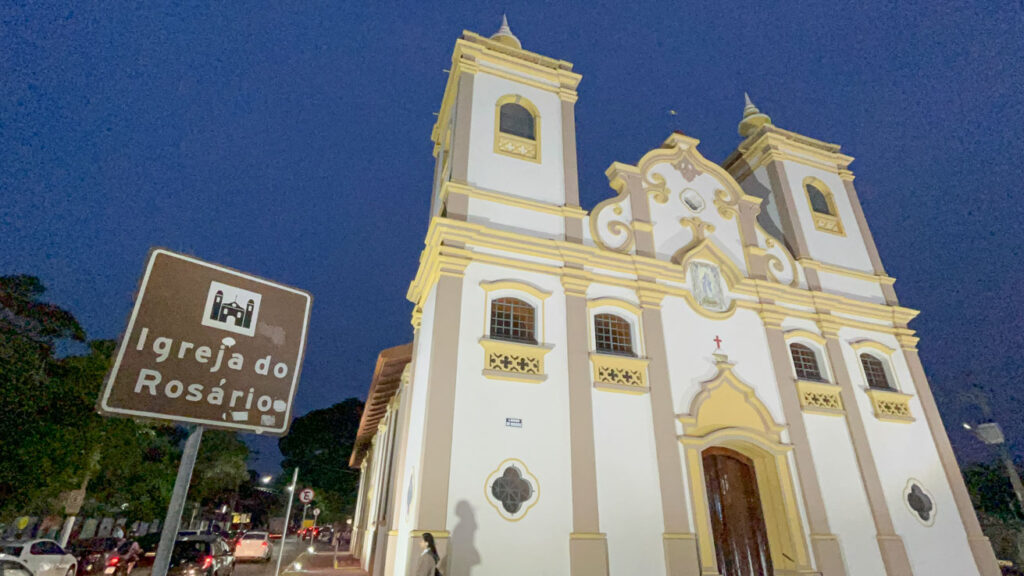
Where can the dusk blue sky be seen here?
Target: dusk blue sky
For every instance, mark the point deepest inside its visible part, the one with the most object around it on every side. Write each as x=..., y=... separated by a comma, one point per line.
x=291, y=140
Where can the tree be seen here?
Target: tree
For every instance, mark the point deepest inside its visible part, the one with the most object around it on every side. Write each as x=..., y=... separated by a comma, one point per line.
x=320, y=444
x=50, y=410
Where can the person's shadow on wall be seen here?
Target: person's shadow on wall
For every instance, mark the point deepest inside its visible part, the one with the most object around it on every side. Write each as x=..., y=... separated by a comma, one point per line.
x=462, y=553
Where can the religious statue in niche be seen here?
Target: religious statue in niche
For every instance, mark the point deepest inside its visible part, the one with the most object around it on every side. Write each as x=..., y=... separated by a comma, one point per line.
x=920, y=502
x=706, y=284
x=512, y=489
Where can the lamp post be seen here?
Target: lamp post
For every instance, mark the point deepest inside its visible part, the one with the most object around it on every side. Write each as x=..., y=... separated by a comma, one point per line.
x=287, y=518
x=991, y=433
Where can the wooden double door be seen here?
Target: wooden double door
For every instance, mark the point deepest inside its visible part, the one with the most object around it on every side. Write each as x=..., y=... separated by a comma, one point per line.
x=737, y=518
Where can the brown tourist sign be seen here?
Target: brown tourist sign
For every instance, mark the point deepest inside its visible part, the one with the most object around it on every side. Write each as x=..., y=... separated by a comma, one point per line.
x=209, y=345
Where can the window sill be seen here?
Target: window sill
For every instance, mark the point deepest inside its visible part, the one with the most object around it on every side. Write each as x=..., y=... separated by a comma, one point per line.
x=515, y=361
x=890, y=405
x=828, y=223
x=820, y=397
x=618, y=373
x=517, y=147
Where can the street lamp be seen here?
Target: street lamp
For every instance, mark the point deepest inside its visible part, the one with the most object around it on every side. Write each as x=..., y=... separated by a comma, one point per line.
x=991, y=434
x=266, y=480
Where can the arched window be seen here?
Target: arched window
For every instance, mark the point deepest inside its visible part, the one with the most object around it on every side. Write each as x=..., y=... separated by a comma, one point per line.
x=805, y=361
x=613, y=335
x=516, y=120
x=819, y=202
x=512, y=319
x=874, y=372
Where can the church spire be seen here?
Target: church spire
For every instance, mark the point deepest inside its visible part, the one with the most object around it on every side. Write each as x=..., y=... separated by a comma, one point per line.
x=752, y=118
x=505, y=35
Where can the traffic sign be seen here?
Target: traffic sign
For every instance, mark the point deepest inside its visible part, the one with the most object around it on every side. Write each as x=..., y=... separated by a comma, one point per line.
x=316, y=511
x=306, y=496
x=209, y=345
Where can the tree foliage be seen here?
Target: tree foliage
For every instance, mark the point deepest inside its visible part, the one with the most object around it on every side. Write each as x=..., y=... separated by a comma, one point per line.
x=320, y=444
x=53, y=438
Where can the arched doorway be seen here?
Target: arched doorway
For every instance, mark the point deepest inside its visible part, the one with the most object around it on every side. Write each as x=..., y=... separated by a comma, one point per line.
x=737, y=518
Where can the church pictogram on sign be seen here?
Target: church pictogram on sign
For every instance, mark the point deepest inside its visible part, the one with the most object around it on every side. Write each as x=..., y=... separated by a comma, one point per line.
x=231, y=309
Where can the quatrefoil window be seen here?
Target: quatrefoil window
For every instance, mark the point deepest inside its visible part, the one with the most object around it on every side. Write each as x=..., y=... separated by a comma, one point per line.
x=512, y=489
x=920, y=502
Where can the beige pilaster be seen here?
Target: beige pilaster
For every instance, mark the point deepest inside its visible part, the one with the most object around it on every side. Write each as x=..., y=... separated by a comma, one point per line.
x=401, y=447
x=894, y=553
x=869, y=239
x=435, y=460
x=828, y=555
x=359, y=521
x=573, y=223
x=749, y=207
x=981, y=548
x=588, y=547
x=680, y=544
x=457, y=203
x=791, y=227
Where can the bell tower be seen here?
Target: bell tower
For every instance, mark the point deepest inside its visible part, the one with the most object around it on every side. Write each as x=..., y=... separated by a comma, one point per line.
x=505, y=139
x=809, y=202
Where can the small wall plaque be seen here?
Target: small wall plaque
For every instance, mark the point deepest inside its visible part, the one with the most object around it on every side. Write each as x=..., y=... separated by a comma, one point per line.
x=513, y=422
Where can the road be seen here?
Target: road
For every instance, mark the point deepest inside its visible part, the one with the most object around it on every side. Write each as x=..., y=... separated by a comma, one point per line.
x=292, y=550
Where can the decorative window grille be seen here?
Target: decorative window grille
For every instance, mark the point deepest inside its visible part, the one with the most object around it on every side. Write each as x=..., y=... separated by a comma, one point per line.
x=514, y=320
x=874, y=372
x=805, y=361
x=613, y=335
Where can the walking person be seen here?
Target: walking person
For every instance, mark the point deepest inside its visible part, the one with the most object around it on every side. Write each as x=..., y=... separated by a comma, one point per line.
x=429, y=558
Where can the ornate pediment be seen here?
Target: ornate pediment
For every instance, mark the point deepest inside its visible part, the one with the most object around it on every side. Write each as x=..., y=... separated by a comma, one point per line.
x=675, y=202
x=725, y=401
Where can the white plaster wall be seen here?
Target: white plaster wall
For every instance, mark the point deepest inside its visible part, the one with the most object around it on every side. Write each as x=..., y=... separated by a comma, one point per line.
x=407, y=502
x=846, y=502
x=481, y=538
x=515, y=219
x=543, y=181
x=852, y=287
x=848, y=250
x=907, y=450
x=628, y=492
x=689, y=341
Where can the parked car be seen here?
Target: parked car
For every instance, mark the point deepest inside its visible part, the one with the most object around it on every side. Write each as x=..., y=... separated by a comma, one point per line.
x=110, y=556
x=148, y=544
x=201, y=555
x=11, y=566
x=43, y=557
x=254, y=546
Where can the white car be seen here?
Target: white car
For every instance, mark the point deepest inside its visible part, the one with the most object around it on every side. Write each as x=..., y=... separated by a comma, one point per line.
x=43, y=557
x=10, y=566
x=254, y=546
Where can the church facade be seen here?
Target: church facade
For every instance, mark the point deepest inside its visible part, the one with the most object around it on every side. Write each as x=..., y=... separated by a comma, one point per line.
x=708, y=373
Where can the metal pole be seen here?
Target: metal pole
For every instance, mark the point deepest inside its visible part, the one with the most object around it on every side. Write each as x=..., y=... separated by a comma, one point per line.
x=287, y=518
x=1011, y=470
x=170, y=528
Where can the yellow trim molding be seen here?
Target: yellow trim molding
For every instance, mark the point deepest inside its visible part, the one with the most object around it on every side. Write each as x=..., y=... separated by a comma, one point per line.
x=510, y=144
x=862, y=345
x=726, y=402
x=515, y=285
x=516, y=361
x=614, y=302
x=820, y=397
x=587, y=536
x=620, y=373
x=435, y=533
x=890, y=405
x=805, y=334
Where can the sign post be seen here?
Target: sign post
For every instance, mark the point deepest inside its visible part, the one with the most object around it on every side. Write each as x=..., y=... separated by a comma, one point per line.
x=207, y=346
x=287, y=519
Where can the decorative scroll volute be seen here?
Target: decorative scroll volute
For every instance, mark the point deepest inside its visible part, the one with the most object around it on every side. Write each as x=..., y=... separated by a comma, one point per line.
x=611, y=220
x=780, y=265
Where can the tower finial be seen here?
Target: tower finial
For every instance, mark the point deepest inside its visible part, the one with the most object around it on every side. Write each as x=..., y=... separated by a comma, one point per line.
x=505, y=35
x=753, y=118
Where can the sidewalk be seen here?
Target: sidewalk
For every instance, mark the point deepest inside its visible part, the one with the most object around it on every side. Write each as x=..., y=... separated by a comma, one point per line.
x=324, y=564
